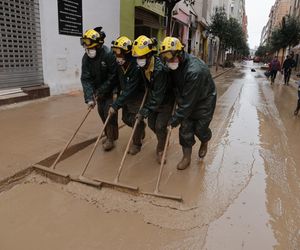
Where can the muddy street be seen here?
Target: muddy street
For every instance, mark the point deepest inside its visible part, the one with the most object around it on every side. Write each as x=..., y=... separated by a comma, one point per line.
x=245, y=194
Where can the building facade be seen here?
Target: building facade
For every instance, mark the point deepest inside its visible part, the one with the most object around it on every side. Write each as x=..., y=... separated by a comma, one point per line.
x=263, y=36
x=279, y=10
x=237, y=10
x=295, y=12
x=40, y=43
x=295, y=8
x=138, y=17
x=234, y=9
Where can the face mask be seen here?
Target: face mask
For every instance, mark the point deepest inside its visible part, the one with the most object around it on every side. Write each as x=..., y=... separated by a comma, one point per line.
x=173, y=66
x=141, y=62
x=91, y=53
x=120, y=60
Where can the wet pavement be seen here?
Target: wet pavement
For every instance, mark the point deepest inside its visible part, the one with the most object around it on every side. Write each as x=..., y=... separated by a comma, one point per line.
x=243, y=195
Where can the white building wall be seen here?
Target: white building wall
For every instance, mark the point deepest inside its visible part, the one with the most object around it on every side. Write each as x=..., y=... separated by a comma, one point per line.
x=62, y=54
x=238, y=10
x=213, y=4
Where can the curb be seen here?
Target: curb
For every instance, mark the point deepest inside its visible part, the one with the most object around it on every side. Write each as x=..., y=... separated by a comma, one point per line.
x=216, y=76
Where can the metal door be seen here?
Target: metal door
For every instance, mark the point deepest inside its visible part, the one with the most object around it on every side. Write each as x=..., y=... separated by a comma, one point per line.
x=20, y=44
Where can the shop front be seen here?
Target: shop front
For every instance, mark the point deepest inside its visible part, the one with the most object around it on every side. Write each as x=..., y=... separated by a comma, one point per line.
x=142, y=18
x=20, y=44
x=180, y=26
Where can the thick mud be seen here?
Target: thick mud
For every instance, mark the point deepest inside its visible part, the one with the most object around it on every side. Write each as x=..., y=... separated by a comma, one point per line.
x=243, y=195
x=40, y=215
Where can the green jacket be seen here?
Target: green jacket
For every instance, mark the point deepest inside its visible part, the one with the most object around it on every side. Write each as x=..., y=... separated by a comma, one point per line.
x=98, y=74
x=193, y=85
x=131, y=85
x=160, y=95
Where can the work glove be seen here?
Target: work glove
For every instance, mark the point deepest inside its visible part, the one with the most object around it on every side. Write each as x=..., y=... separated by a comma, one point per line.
x=111, y=111
x=174, y=121
x=91, y=104
x=139, y=117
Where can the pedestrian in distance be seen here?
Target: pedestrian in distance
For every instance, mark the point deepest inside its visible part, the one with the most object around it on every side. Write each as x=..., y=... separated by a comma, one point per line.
x=274, y=67
x=195, y=95
x=287, y=66
x=298, y=102
x=160, y=101
x=132, y=90
x=98, y=74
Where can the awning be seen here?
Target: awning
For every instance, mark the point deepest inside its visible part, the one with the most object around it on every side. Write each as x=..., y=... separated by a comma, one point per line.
x=181, y=17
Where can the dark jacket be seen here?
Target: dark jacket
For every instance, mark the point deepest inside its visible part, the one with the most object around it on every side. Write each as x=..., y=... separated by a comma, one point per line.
x=98, y=74
x=288, y=64
x=131, y=85
x=193, y=87
x=160, y=95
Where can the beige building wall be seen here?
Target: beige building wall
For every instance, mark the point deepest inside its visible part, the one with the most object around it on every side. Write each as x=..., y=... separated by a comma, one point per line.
x=295, y=8
x=282, y=8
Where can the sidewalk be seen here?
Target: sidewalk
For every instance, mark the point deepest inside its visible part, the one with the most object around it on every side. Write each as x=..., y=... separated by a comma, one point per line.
x=220, y=71
x=32, y=131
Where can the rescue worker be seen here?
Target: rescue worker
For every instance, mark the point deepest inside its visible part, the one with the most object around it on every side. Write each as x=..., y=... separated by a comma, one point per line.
x=195, y=95
x=98, y=72
x=132, y=90
x=158, y=106
x=286, y=70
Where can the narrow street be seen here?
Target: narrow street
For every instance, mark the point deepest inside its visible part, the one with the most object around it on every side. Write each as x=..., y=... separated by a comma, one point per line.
x=244, y=195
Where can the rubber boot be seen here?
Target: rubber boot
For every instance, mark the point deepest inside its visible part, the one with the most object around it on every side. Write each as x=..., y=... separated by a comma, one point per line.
x=186, y=159
x=161, y=141
x=134, y=149
x=108, y=143
x=203, y=149
x=137, y=139
x=159, y=156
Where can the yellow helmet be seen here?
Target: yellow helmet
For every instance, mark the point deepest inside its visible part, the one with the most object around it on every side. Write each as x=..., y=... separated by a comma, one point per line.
x=171, y=44
x=143, y=45
x=91, y=39
x=123, y=43
x=169, y=47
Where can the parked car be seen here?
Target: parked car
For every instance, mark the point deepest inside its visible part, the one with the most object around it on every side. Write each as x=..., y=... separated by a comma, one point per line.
x=265, y=66
x=256, y=59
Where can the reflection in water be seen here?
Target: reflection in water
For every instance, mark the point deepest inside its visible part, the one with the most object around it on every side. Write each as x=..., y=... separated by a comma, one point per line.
x=282, y=183
x=240, y=180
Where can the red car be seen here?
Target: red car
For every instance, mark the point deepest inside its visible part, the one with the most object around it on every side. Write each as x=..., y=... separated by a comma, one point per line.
x=256, y=59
